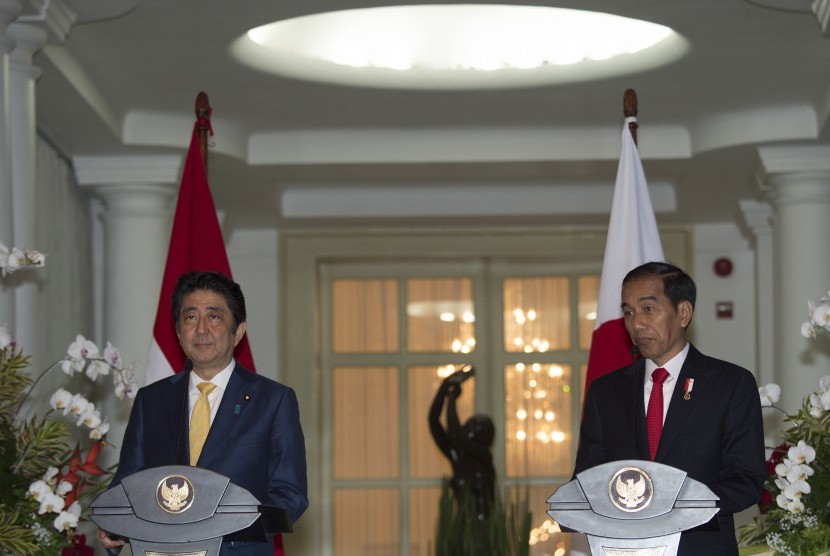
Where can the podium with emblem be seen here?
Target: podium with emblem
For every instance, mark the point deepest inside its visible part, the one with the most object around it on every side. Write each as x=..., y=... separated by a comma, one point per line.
x=179, y=510
x=632, y=507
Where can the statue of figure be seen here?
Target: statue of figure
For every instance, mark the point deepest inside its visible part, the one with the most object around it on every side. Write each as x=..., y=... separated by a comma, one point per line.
x=467, y=447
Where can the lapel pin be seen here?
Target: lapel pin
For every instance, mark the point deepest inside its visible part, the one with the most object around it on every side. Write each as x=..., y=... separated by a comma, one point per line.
x=687, y=388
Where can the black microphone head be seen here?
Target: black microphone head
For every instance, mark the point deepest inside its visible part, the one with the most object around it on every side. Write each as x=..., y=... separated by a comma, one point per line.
x=635, y=349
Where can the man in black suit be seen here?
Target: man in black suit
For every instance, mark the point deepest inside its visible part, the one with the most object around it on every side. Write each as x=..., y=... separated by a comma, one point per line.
x=712, y=426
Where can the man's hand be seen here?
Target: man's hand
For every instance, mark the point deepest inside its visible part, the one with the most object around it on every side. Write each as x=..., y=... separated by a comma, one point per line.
x=108, y=540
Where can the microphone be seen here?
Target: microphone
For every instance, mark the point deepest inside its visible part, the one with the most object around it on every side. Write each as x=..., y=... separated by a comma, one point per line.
x=635, y=354
x=188, y=366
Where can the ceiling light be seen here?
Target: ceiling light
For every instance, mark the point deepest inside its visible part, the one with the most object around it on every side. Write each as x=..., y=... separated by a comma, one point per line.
x=457, y=46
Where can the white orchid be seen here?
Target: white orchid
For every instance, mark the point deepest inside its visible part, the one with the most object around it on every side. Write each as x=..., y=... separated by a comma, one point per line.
x=784, y=468
x=821, y=314
x=799, y=472
x=51, y=503
x=15, y=258
x=793, y=491
x=50, y=475
x=125, y=386
x=794, y=506
x=35, y=258
x=90, y=418
x=819, y=317
x=61, y=399
x=770, y=394
x=77, y=406
x=64, y=488
x=820, y=401
x=68, y=519
x=112, y=355
x=39, y=490
x=96, y=368
x=82, y=348
x=98, y=432
x=802, y=453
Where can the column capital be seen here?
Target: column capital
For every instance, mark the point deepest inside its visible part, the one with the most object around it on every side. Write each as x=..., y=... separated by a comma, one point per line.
x=28, y=40
x=807, y=159
x=757, y=215
x=126, y=170
x=798, y=174
x=9, y=11
x=54, y=16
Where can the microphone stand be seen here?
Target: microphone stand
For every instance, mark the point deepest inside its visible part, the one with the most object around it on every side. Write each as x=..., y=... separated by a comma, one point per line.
x=635, y=354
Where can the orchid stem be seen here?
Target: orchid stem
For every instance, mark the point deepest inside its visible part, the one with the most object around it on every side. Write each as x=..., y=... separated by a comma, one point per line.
x=34, y=384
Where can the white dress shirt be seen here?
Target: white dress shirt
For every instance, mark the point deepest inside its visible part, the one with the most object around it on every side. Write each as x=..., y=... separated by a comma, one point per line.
x=214, y=398
x=673, y=367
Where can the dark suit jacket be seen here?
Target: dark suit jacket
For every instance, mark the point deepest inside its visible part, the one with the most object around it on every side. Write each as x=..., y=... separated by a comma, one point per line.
x=716, y=436
x=255, y=439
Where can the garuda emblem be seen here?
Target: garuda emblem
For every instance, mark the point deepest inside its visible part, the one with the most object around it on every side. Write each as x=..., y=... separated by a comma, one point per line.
x=630, y=489
x=175, y=494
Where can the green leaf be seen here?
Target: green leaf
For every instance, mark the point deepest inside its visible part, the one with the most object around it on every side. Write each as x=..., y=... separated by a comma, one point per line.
x=14, y=537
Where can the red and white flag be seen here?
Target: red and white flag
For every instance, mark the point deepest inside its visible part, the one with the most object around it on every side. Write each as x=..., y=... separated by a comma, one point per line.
x=632, y=240
x=195, y=244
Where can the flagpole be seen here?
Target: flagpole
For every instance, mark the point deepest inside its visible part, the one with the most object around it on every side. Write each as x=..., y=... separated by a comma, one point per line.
x=203, y=112
x=630, y=111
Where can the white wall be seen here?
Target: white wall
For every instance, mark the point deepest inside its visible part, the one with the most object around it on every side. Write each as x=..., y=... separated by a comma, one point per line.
x=730, y=339
x=253, y=258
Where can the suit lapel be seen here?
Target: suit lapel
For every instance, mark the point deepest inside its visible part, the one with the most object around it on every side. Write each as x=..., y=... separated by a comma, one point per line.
x=176, y=406
x=680, y=409
x=231, y=409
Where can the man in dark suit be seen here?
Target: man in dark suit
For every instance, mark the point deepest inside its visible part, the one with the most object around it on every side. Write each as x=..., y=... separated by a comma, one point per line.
x=712, y=426
x=254, y=434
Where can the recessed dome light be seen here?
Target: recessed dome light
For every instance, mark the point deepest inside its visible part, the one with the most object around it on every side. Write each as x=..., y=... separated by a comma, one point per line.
x=457, y=46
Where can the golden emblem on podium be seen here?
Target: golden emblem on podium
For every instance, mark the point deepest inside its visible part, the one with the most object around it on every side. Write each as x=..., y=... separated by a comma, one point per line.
x=630, y=489
x=175, y=494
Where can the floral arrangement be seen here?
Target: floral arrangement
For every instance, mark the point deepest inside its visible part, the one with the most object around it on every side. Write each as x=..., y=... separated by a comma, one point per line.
x=795, y=507
x=17, y=258
x=46, y=479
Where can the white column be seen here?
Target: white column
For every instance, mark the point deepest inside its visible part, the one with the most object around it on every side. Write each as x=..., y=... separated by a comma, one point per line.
x=9, y=10
x=758, y=218
x=137, y=193
x=799, y=178
x=28, y=40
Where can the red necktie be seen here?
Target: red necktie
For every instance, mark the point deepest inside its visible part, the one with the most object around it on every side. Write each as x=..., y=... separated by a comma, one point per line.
x=654, y=414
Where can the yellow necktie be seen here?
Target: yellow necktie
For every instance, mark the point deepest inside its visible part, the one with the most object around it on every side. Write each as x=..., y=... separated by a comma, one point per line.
x=200, y=421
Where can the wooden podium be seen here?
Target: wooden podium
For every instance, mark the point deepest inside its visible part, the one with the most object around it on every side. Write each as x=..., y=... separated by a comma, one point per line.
x=178, y=510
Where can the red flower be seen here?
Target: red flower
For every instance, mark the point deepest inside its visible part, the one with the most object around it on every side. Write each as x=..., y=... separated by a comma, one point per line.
x=776, y=457
x=76, y=470
x=78, y=547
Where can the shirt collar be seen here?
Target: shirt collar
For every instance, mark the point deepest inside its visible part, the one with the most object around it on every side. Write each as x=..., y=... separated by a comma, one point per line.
x=673, y=365
x=221, y=378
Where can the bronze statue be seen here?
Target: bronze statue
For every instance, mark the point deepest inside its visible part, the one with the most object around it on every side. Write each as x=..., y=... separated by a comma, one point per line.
x=467, y=447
